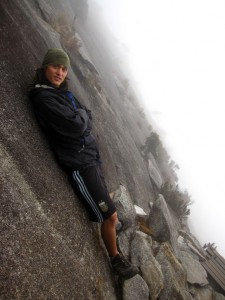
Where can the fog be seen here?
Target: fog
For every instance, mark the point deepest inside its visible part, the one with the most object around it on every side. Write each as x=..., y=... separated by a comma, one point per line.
x=176, y=50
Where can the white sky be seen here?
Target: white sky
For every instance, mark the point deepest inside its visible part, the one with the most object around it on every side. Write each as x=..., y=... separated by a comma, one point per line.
x=177, y=53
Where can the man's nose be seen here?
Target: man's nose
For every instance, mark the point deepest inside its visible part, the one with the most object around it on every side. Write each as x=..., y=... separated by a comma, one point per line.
x=60, y=71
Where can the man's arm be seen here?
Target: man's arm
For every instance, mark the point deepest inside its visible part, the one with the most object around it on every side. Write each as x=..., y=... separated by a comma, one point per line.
x=61, y=118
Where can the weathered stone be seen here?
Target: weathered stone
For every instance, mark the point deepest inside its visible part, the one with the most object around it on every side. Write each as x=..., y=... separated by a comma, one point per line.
x=162, y=225
x=126, y=215
x=135, y=289
x=141, y=248
x=124, y=239
x=152, y=275
x=218, y=296
x=196, y=274
x=187, y=247
x=125, y=207
x=205, y=293
x=192, y=243
x=141, y=256
x=174, y=275
x=201, y=293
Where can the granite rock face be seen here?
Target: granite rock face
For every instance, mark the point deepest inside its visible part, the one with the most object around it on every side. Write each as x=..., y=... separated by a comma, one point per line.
x=154, y=173
x=48, y=245
x=42, y=256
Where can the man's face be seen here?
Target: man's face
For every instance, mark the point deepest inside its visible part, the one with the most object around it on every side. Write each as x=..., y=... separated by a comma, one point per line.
x=56, y=74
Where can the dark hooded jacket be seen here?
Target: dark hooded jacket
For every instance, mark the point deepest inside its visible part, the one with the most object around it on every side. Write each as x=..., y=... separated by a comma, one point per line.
x=67, y=125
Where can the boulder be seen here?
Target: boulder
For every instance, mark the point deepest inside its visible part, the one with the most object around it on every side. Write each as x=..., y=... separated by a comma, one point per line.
x=192, y=243
x=125, y=207
x=142, y=257
x=186, y=246
x=162, y=225
x=201, y=293
x=205, y=293
x=124, y=239
x=196, y=274
x=127, y=217
x=135, y=289
x=174, y=275
x=218, y=296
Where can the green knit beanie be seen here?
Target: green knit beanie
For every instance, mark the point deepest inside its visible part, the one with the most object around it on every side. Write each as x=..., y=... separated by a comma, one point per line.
x=56, y=56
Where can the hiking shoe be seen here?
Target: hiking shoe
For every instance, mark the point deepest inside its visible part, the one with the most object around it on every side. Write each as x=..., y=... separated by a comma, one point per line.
x=122, y=267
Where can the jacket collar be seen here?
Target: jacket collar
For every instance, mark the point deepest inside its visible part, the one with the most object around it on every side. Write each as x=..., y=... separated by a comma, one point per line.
x=44, y=86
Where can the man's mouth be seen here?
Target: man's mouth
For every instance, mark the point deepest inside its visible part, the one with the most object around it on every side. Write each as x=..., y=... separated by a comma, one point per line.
x=58, y=78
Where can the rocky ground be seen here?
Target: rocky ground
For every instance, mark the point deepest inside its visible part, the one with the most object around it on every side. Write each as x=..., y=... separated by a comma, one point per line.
x=49, y=249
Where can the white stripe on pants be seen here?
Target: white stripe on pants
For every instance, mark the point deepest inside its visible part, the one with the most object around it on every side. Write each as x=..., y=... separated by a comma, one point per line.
x=84, y=191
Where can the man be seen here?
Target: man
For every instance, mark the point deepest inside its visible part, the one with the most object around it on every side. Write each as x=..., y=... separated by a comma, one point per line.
x=67, y=125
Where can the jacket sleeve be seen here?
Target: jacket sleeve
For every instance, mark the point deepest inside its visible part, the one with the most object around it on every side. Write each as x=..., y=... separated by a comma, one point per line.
x=60, y=118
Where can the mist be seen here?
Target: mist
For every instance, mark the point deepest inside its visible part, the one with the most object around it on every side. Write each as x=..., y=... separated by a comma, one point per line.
x=175, y=51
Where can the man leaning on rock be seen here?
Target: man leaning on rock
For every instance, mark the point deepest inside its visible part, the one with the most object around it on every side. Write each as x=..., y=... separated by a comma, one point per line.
x=67, y=125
